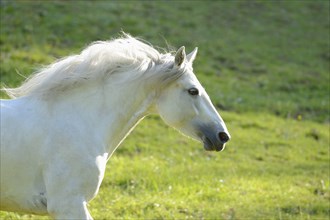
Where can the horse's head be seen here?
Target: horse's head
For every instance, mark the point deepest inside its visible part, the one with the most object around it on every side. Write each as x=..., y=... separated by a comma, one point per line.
x=185, y=105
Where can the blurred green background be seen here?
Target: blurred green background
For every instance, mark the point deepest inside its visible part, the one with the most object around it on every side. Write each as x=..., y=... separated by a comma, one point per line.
x=265, y=65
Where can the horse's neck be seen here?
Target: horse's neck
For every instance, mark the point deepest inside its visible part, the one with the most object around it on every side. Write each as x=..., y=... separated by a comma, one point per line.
x=126, y=113
x=111, y=112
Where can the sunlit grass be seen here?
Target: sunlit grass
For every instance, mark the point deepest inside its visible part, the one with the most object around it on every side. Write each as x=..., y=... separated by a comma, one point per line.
x=258, y=175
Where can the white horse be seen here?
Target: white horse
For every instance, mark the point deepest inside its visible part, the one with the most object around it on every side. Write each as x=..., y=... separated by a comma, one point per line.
x=65, y=121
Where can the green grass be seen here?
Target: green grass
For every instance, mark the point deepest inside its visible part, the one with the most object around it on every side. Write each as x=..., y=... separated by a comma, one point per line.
x=265, y=65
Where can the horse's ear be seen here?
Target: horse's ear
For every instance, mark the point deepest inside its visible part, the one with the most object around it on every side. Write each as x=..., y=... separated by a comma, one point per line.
x=180, y=56
x=191, y=57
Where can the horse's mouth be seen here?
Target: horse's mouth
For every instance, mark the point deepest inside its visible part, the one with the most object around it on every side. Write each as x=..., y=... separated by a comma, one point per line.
x=210, y=146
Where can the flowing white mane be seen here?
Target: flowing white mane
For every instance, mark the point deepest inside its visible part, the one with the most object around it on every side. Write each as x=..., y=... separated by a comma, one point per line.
x=97, y=62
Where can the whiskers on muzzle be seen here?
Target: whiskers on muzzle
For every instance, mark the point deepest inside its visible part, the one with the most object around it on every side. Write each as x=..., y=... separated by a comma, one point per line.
x=212, y=139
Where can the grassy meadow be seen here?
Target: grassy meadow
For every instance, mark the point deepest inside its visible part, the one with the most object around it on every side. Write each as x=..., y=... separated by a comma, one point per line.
x=265, y=65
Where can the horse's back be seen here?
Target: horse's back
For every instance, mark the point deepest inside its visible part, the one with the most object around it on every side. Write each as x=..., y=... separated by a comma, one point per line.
x=20, y=162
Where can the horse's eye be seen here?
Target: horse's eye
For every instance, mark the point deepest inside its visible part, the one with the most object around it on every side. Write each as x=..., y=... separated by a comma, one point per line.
x=193, y=91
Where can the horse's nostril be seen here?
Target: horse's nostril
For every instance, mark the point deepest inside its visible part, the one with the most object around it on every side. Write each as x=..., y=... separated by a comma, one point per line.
x=223, y=137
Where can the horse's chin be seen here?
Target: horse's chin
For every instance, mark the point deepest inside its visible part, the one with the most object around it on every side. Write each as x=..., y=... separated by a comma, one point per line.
x=209, y=146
